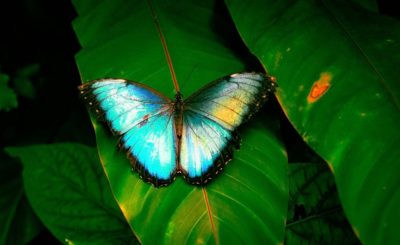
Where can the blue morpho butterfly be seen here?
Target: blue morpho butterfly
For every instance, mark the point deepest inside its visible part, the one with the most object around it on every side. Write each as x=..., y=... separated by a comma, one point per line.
x=194, y=137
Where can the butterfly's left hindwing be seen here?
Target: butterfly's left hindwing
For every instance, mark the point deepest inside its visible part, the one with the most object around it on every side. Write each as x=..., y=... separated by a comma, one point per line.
x=143, y=119
x=206, y=147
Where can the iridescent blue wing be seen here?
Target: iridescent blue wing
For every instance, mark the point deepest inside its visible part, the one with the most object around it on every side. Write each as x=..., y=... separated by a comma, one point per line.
x=210, y=118
x=143, y=118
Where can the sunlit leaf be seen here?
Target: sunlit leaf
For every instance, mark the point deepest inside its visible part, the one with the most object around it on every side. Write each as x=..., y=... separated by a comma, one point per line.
x=247, y=202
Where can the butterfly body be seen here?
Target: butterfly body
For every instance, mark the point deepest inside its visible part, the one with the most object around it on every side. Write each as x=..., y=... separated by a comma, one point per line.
x=178, y=115
x=194, y=137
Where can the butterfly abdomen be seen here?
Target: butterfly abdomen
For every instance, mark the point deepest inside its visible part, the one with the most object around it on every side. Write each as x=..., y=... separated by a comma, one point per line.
x=178, y=118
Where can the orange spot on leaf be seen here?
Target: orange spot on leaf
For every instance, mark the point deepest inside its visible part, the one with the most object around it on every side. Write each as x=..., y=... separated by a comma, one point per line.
x=320, y=87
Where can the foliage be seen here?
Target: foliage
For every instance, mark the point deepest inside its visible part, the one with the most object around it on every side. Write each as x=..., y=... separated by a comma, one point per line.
x=76, y=178
x=8, y=97
x=314, y=214
x=316, y=166
x=340, y=91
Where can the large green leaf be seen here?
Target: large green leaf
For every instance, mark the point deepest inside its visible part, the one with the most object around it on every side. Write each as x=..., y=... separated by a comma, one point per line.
x=19, y=224
x=248, y=201
x=68, y=191
x=315, y=215
x=337, y=67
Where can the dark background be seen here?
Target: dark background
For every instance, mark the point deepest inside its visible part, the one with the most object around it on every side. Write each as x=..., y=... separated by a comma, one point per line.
x=39, y=33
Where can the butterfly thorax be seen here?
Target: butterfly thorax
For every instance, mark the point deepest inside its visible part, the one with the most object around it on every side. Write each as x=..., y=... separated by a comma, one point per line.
x=177, y=110
x=178, y=99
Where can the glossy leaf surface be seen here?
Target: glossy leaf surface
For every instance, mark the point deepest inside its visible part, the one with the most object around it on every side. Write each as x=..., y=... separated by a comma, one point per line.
x=337, y=67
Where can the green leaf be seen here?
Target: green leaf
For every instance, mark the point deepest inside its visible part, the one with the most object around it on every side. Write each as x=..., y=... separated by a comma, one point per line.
x=23, y=80
x=337, y=69
x=68, y=191
x=8, y=98
x=19, y=223
x=315, y=215
x=247, y=202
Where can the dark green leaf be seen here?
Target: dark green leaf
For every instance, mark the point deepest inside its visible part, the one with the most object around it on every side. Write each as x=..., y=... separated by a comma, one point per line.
x=23, y=80
x=68, y=191
x=337, y=67
x=8, y=98
x=244, y=204
x=29, y=70
x=315, y=215
x=370, y=5
x=19, y=224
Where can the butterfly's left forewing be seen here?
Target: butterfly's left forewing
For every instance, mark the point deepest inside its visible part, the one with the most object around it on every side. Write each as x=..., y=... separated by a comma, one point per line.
x=210, y=118
x=144, y=121
x=233, y=99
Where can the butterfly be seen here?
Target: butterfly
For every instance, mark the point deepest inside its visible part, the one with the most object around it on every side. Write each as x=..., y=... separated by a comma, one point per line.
x=194, y=137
